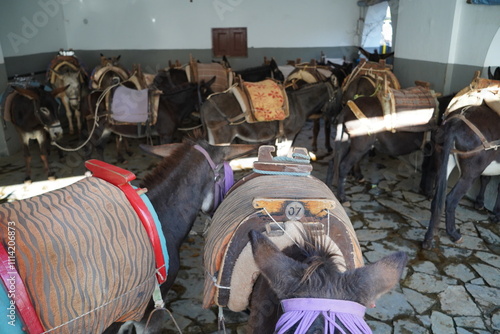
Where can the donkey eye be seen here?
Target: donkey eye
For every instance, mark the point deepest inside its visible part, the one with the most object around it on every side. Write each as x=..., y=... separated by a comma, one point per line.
x=45, y=111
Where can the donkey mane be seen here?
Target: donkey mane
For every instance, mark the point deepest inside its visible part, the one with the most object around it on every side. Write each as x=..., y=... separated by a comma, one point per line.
x=313, y=250
x=167, y=165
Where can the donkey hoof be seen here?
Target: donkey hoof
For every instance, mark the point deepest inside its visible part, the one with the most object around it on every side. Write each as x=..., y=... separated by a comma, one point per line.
x=346, y=204
x=460, y=240
x=427, y=244
x=27, y=181
x=51, y=178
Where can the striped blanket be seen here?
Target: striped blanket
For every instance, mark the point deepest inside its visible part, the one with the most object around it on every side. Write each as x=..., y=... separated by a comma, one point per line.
x=83, y=255
x=229, y=265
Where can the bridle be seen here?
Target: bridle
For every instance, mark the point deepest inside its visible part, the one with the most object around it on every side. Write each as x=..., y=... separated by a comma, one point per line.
x=223, y=177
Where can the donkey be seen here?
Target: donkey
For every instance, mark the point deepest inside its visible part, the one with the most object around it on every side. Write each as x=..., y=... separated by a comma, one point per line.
x=72, y=96
x=402, y=142
x=34, y=113
x=316, y=296
x=223, y=118
x=470, y=135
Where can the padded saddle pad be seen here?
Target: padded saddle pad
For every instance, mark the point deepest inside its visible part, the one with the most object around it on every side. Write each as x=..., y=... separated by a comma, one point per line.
x=130, y=105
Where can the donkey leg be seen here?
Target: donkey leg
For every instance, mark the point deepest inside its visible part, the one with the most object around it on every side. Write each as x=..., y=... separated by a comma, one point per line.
x=328, y=133
x=316, y=128
x=69, y=115
x=345, y=167
x=119, y=155
x=78, y=116
x=452, y=200
x=496, y=208
x=479, y=203
x=44, y=153
x=27, y=161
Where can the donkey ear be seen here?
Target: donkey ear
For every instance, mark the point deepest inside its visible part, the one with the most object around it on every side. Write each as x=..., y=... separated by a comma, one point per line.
x=59, y=91
x=234, y=151
x=210, y=82
x=28, y=93
x=380, y=277
x=160, y=151
x=281, y=271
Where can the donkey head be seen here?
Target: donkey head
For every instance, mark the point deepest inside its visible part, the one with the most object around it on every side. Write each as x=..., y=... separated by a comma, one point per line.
x=70, y=79
x=110, y=61
x=45, y=107
x=312, y=273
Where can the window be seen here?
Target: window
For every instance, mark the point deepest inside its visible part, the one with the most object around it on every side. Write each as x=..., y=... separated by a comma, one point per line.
x=231, y=42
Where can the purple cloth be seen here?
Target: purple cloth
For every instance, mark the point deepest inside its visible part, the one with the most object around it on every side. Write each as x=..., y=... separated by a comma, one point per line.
x=305, y=310
x=222, y=184
x=130, y=105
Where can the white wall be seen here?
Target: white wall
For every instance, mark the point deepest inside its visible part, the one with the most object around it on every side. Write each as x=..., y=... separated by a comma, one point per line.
x=30, y=27
x=128, y=24
x=447, y=31
x=477, y=29
x=424, y=29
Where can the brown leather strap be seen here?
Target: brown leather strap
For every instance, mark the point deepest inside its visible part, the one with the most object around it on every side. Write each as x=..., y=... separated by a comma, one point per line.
x=486, y=144
x=359, y=115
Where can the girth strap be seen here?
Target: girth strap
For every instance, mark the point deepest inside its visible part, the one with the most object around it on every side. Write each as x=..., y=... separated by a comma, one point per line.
x=121, y=178
x=20, y=298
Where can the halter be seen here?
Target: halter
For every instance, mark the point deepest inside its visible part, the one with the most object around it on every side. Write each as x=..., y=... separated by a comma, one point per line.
x=303, y=311
x=37, y=110
x=223, y=182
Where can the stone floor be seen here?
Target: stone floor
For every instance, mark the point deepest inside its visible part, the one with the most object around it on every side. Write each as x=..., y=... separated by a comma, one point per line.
x=453, y=288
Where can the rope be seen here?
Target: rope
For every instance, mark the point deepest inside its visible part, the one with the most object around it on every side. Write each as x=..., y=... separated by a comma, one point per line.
x=281, y=228
x=96, y=119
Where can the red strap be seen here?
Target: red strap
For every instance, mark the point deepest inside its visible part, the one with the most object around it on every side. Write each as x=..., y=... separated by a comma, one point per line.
x=26, y=311
x=120, y=178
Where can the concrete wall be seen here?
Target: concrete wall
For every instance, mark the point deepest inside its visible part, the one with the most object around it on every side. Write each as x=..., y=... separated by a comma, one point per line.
x=445, y=42
x=151, y=32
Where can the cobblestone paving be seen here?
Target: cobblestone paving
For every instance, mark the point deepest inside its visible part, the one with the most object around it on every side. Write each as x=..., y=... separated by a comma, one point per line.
x=453, y=288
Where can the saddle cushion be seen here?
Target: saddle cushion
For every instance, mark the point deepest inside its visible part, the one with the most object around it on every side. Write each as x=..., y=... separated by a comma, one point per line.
x=198, y=72
x=267, y=99
x=130, y=105
x=412, y=109
x=480, y=90
x=70, y=62
x=99, y=73
x=377, y=71
x=8, y=96
x=83, y=255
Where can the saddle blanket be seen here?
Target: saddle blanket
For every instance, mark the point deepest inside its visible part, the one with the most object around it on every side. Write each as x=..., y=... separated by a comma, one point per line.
x=83, y=255
x=130, y=105
x=268, y=101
